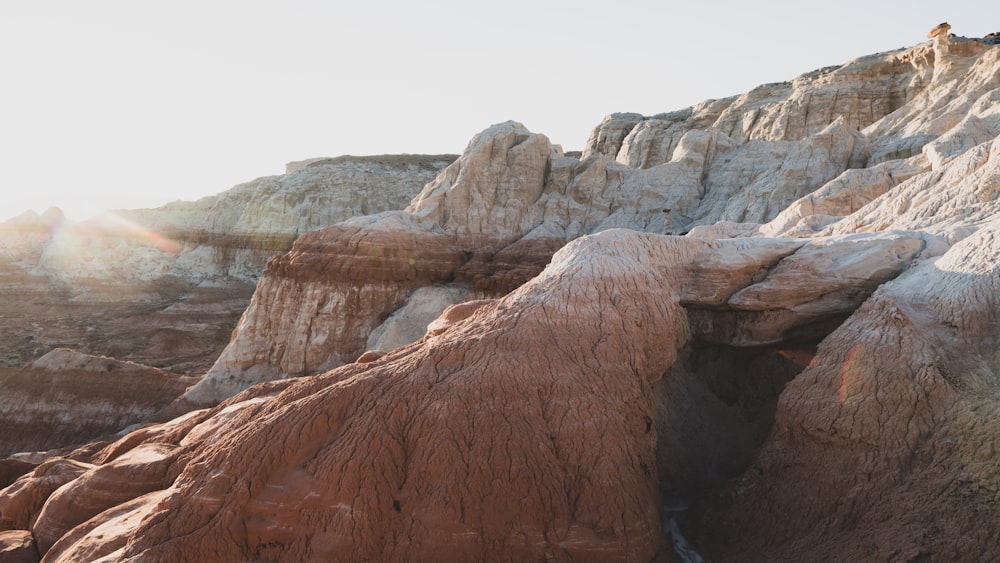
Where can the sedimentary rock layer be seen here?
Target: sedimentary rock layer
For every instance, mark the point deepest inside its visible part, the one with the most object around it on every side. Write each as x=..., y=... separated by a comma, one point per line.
x=69, y=398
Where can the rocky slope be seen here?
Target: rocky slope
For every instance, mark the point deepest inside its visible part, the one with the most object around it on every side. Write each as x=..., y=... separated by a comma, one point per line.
x=165, y=286
x=809, y=374
x=235, y=233
x=67, y=398
x=786, y=159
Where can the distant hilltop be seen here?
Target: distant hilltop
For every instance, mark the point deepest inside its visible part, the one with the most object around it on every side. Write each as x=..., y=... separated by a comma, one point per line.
x=51, y=217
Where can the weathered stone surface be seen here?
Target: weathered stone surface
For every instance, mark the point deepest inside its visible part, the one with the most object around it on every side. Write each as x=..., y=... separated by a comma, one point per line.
x=949, y=203
x=71, y=398
x=200, y=256
x=901, y=390
x=24, y=237
x=823, y=391
x=940, y=30
x=316, y=306
x=17, y=546
x=859, y=93
x=22, y=501
x=582, y=342
x=63, y=359
x=235, y=233
x=550, y=492
x=409, y=323
x=146, y=468
x=718, y=172
x=840, y=197
x=103, y=537
x=11, y=469
x=606, y=139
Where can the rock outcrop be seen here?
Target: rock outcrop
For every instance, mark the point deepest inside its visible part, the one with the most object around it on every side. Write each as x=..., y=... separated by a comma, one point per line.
x=529, y=397
x=788, y=160
x=66, y=398
x=235, y=233
x=884, y=447
x=165, y=286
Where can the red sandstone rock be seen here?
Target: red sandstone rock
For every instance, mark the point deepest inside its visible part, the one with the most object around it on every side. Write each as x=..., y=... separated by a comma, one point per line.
x=369, y=356
x=17, y=546
x=22, y=501
x=884, y=448
x=105, y=535
x=510, y=455
x=146, y=468
x=11, y=469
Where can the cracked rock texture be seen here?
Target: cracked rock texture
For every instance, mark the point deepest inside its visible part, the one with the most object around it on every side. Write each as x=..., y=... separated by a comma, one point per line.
x=809, y=374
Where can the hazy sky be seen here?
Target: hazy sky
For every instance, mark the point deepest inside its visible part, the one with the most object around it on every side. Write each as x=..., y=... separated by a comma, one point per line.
x=132, y=103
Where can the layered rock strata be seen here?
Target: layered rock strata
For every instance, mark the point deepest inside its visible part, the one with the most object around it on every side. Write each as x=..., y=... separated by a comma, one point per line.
x=561, y=371
x=165, y=286
x=885, y=446
x=788, y=160
x=66, y=398
x=235, y=233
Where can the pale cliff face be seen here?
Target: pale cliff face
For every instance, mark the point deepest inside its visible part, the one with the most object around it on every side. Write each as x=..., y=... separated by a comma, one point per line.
x=793, y=156
x=166, y=286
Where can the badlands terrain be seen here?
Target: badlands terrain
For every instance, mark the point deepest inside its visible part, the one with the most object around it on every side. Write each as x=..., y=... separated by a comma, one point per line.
x=762, y=328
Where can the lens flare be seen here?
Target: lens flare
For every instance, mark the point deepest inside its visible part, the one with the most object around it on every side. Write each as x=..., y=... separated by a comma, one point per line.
x=99, y=246
x=850, y=372
x=800, y=358
x=121, y=226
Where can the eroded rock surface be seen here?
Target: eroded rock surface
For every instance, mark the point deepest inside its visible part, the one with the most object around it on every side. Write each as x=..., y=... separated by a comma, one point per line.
x=560, y=374
x=904, y=389
x=166, y=286
x=67, y=398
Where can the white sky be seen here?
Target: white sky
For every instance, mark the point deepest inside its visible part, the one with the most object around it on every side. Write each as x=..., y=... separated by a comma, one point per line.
x=131, y=103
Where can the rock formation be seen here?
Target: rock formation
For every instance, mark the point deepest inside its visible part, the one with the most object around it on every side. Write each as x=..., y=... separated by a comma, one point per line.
x=165, y=286
x=66, y=398
x=235, y=233
x=809, y=374
x=786, y=159
x=611, y=305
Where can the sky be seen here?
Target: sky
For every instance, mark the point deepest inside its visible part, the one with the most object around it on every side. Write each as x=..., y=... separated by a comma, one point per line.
x=125, y=104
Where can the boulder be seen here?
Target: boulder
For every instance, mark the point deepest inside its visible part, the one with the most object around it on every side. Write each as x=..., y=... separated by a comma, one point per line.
x=17, y=546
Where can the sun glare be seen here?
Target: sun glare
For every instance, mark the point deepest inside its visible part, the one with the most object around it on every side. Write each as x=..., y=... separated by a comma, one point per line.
x=88, y=248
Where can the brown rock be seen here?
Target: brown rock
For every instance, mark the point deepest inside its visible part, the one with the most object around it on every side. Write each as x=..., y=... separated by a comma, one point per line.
x=316, y=305
x=885, y=446
x=106, y=534
x=455, y=314
x=515, y=418
x=21, y=502
x=940, y=30
x=18, y=546
x=11, y=469
x=369, y=356
x=493, y=459
x=146, y=468
x=74, y=398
